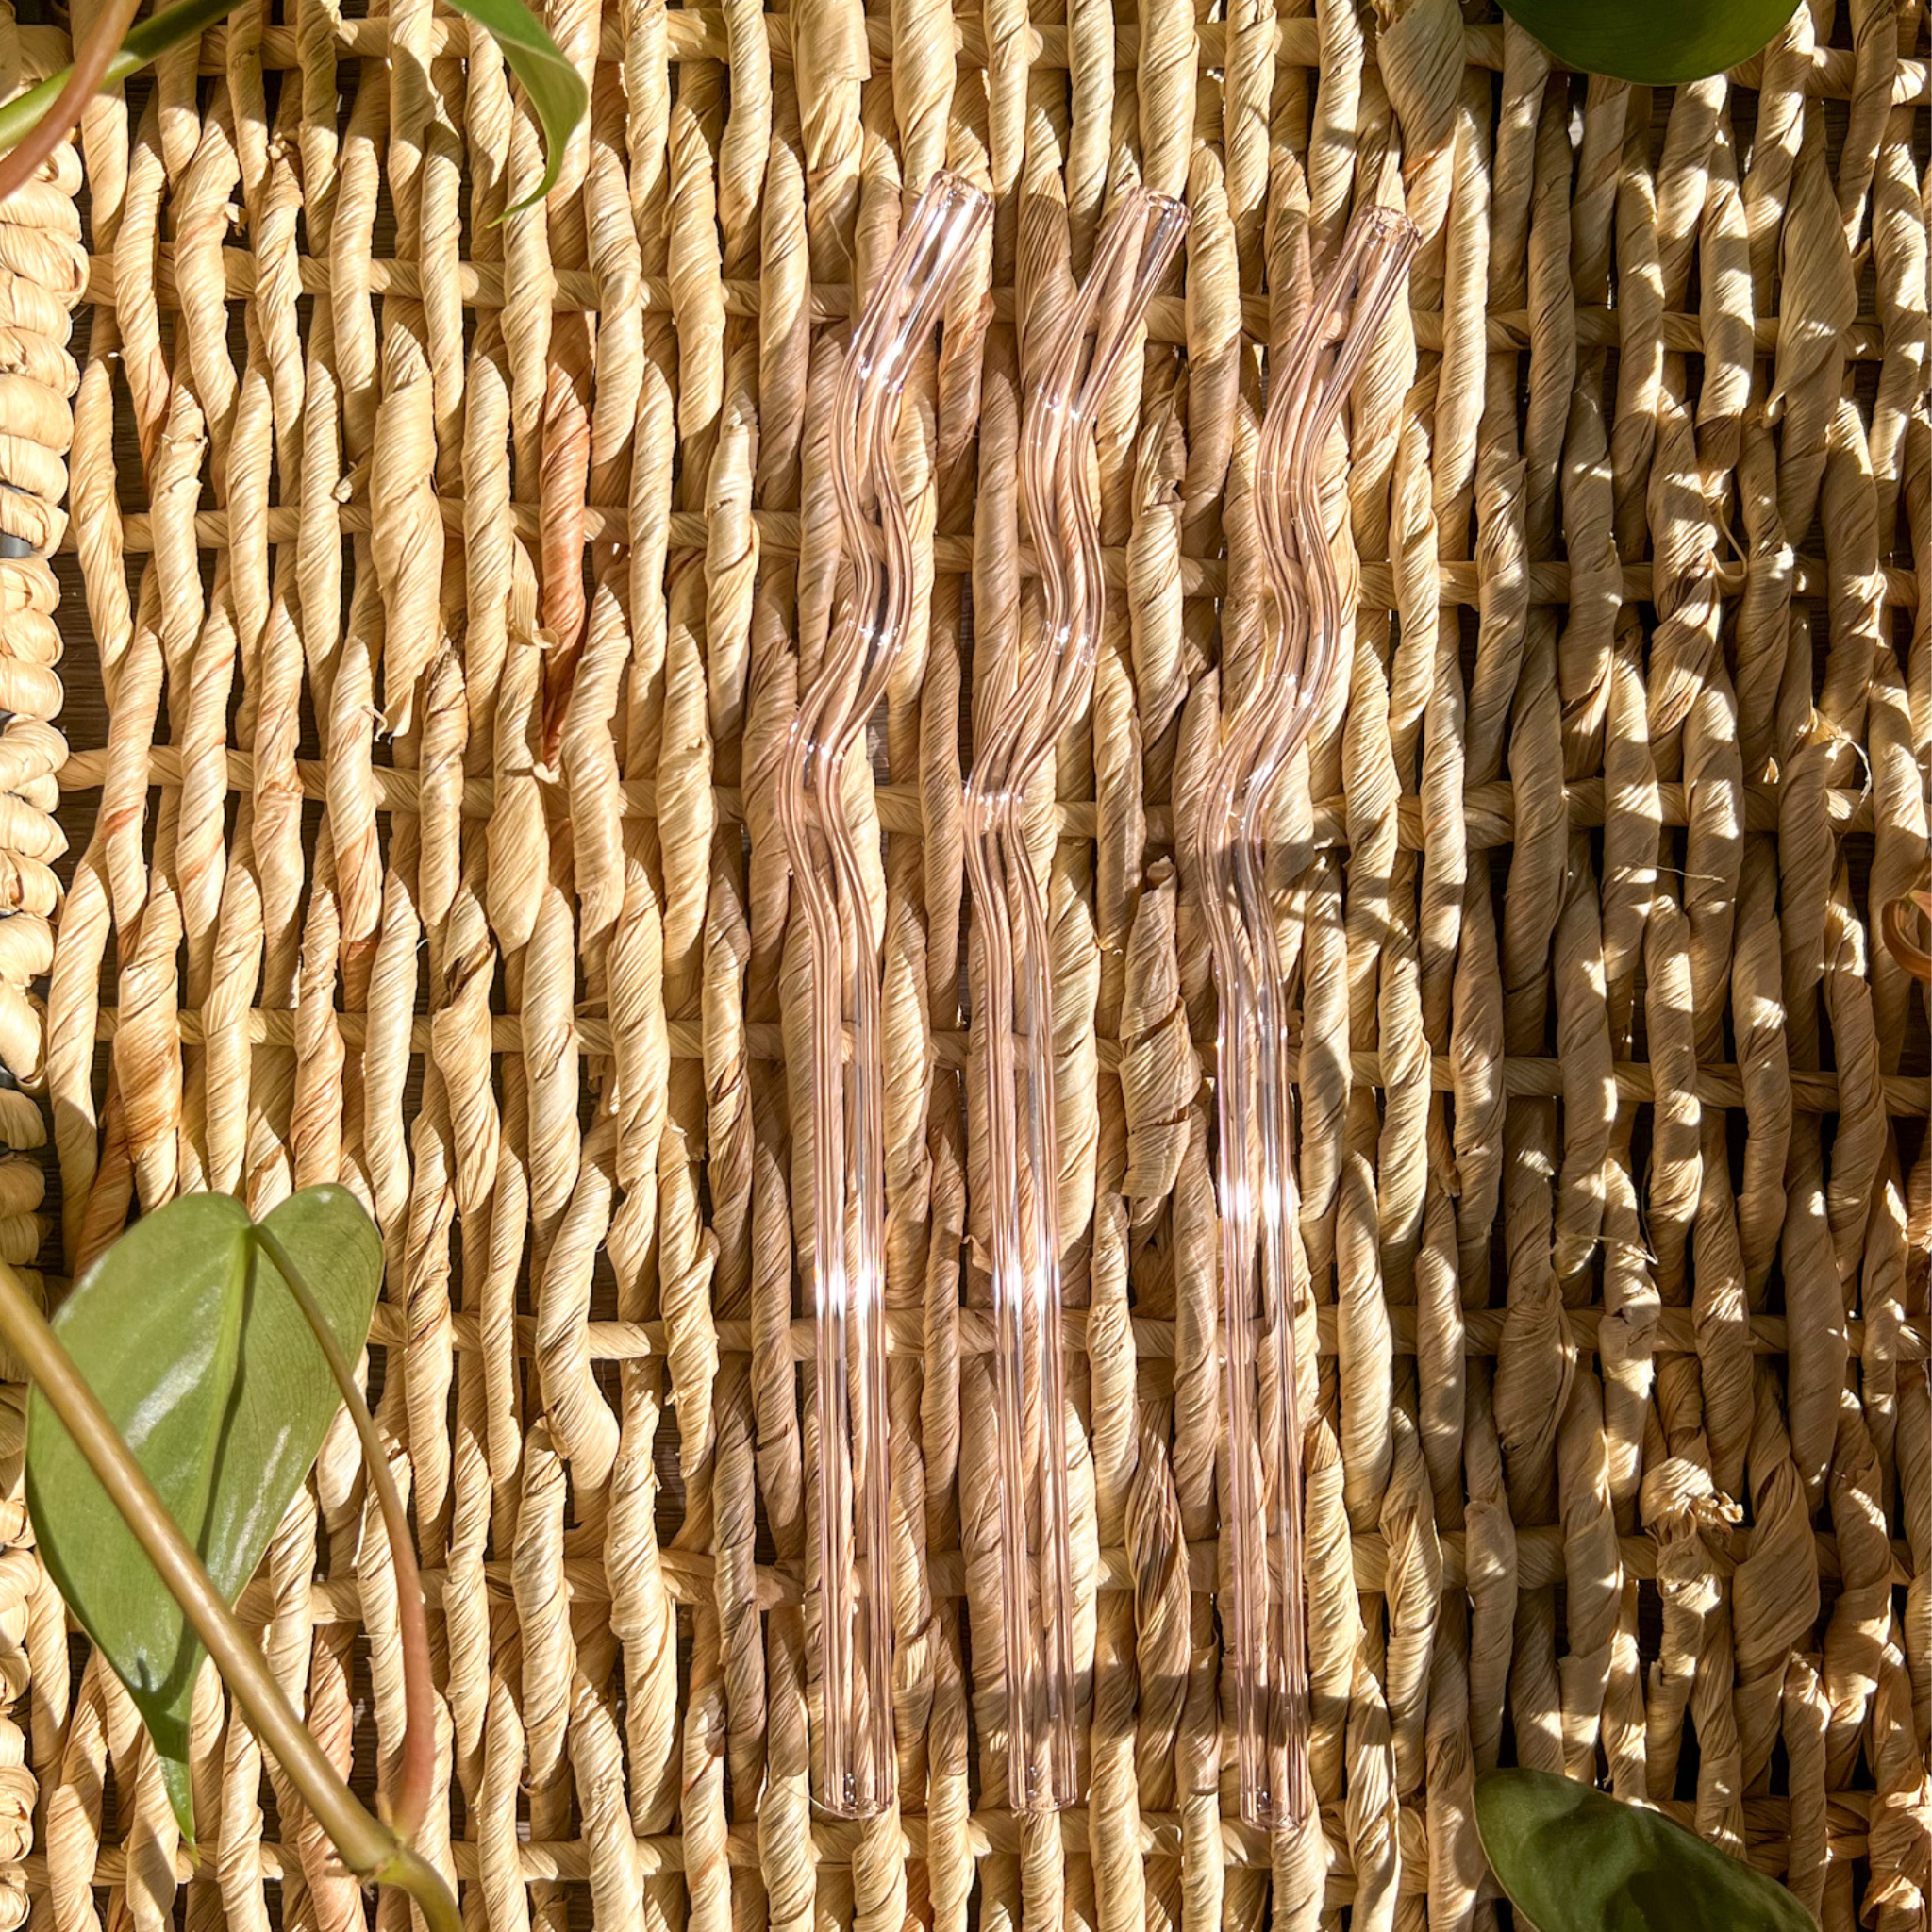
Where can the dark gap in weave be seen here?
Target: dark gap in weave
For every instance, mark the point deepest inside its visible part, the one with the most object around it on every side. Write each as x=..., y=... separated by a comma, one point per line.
x=604, y=1306
x=130, y=476
x=1911, y=1133
x=272, y=1835
x=237, y=313
x=664, y=1462
x=1689, y=1756
x=362, y=1706
x=964, y=734
x=308, y=726
x=272, y=81
x=466, y=242
x=458, y=1813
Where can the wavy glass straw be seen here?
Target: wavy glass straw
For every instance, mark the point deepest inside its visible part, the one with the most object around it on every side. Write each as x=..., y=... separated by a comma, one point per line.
x=858, y=1760
x=1253, y=1098
x=1134, y=253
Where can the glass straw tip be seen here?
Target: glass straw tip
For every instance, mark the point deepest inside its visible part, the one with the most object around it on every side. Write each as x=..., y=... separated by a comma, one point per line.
x=1382, y=225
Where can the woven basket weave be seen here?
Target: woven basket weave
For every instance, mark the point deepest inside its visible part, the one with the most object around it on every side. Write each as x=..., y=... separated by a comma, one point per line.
x=1618, y=1198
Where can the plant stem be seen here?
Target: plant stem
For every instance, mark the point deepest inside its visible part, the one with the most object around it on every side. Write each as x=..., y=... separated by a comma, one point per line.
x=410, y=1799
x=20, y=116
x=90, y=60
x=367, y=1846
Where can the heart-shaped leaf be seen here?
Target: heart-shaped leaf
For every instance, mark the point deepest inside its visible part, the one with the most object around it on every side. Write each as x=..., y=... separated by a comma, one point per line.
x=204, y=1360
x=556, y=89
x=1654, y=43
x=1571, y=1859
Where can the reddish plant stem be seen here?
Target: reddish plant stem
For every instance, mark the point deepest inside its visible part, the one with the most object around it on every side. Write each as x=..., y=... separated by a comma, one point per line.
x=90, y=60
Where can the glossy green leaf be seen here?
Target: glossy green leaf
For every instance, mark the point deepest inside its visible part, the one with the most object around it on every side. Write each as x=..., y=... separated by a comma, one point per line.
x=1657, y=42
x=556, y=89
x=200, y=1354
x=1571, y=1859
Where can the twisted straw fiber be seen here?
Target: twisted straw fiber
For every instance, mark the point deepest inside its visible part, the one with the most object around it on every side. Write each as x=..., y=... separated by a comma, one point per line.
x=435, y=592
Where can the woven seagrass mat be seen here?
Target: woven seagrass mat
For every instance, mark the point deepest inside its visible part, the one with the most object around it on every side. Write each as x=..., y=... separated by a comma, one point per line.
x=1619, y=1201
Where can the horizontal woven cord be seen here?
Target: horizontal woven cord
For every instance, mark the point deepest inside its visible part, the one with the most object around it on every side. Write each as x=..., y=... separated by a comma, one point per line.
x=997, y=1834
x=1489, y=810
x=481, y=286
x=691, y=1576
x=617, y=1342
x=1522, y=1077
x=694, y=33
x=1549, y=583
x=1154, y=1336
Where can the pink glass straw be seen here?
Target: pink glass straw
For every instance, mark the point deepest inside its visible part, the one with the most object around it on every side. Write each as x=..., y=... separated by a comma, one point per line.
x=857, y=1757
x=1056, y=684
x=1254, y=1096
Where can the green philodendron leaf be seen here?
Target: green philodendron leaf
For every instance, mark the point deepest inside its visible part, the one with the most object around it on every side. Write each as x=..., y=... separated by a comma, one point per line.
x=1654, y=43
x=206, y=1365
x=1571, y=1859
x=554, y=86
x=556, y=89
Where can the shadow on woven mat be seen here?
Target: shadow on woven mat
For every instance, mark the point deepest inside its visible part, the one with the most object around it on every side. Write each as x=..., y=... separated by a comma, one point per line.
x=1618, y=1201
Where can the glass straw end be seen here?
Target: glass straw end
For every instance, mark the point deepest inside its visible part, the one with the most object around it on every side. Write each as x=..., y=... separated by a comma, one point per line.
x=1389, y=227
